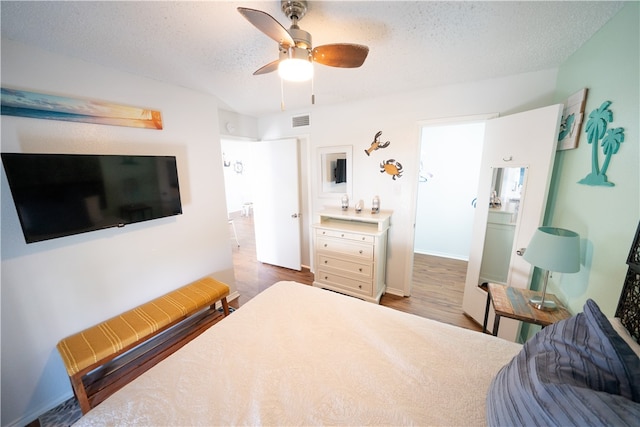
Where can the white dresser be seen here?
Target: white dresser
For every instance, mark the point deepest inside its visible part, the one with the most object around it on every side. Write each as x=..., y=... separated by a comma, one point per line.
x=350, y=252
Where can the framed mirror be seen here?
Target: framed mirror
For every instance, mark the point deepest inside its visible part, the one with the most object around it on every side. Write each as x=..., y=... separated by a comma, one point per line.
x=336, y=171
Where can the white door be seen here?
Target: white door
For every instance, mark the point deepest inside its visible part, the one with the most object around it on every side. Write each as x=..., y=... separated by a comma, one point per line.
x=526, y=140
x=276, y=203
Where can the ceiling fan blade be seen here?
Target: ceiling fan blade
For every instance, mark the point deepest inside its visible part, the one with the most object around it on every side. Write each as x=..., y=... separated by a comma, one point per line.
x=271, y=66
x=268, y=25
x=343, y=55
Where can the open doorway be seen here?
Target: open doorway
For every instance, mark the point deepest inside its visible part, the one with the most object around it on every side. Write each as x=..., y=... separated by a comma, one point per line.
x=450, y=158
x=246, y=186
x=241, y=175
x=236, y=158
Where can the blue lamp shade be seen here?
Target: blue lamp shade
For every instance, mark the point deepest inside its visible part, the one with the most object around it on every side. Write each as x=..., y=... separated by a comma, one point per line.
x=554, y=249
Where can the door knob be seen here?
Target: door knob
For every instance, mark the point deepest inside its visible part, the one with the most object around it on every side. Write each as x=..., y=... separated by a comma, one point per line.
x=521, y=251
x=295, y=215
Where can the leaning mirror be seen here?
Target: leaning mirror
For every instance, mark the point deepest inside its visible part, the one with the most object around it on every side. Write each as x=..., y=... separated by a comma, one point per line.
x=335, y=171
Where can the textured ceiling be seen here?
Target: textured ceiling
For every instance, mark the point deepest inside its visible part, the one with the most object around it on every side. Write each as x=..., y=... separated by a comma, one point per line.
x=208, y=46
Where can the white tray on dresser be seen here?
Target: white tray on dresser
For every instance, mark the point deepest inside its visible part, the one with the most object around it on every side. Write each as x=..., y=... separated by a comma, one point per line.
x=350, y=252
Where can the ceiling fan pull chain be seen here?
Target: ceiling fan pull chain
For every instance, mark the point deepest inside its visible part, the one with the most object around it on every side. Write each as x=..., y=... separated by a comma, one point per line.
x=313, y=95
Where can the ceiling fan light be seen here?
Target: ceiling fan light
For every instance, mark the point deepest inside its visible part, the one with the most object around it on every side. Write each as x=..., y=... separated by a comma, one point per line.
x=295, y=69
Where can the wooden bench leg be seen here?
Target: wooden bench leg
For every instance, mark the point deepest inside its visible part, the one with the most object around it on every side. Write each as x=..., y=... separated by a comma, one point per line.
x=81, y=393
x=486, y=314
x=225, y=306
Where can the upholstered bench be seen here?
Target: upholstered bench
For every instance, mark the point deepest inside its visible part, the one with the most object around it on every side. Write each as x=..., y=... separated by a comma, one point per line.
x=181, y=314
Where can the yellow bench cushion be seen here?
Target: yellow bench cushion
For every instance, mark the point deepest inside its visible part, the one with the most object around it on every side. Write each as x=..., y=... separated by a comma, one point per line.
x=88, y=347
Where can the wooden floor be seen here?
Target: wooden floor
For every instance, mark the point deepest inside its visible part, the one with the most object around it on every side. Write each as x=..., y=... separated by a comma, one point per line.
x=437, y=288
x=253, y=277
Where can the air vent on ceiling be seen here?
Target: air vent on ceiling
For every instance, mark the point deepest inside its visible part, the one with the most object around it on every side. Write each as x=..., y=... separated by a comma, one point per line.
x=300, y=121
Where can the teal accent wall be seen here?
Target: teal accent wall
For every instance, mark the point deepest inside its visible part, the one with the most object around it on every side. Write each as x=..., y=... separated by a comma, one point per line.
x=605, y=217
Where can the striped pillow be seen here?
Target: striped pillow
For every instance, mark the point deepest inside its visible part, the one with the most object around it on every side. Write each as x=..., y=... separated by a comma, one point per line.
x=575, y=372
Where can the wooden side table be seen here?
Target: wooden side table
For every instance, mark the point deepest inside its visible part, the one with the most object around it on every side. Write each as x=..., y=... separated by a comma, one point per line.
x=513, y=303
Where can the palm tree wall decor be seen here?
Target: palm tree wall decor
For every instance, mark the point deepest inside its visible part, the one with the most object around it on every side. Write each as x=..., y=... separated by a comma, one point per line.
x=611, y=139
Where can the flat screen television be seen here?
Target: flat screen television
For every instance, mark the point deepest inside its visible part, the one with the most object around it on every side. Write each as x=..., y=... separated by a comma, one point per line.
x=58, y=195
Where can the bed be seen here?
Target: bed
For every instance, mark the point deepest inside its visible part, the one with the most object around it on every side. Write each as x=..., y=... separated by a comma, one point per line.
x=299, y=355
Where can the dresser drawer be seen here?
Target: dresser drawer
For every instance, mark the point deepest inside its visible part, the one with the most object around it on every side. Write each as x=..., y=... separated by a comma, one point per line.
x=361, y=270
x=345, y=247
x=346, y=283
x=364, y=238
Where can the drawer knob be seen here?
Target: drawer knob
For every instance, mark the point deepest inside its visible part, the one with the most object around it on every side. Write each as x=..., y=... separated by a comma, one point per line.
x=342, y=235
x=360, y=286
x=326, y=278
x=360, y=251
x=326, y=261
x=360, y=270
x=363, y=238
x=325, y=245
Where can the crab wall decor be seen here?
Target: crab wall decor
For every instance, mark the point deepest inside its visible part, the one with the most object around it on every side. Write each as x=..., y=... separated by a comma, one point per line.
x=392, y=167
x=377, y=144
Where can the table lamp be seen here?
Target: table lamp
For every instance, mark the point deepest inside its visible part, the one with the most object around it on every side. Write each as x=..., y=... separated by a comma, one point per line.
x=552, y=249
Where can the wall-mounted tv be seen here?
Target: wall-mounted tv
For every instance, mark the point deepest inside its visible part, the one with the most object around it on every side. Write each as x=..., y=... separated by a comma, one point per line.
x=58, y=195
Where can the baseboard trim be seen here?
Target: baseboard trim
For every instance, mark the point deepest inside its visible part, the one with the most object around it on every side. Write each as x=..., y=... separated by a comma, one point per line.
x=232, y=296
x=397, y=292
x=25, y=420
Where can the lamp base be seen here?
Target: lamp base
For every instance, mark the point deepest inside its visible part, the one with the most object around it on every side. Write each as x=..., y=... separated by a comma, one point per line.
x=544, y=305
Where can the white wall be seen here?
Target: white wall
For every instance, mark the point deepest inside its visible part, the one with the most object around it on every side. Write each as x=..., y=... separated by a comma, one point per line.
x=398, y=118
x=235, y=125
x=237, y=182
x=54, y=288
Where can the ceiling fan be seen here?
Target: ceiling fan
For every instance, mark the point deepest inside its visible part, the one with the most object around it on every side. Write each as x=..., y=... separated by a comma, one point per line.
x=296, y=53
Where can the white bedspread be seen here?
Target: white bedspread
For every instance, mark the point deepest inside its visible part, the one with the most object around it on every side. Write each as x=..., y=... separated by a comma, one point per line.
x=298, y=355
